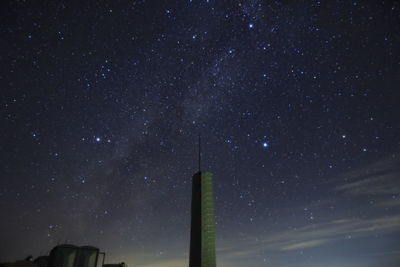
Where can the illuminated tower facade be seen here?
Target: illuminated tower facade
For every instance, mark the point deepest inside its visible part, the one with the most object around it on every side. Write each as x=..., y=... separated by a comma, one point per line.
x=202, y=233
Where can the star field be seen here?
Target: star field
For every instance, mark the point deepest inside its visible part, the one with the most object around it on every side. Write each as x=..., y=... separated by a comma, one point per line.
x=297, y=105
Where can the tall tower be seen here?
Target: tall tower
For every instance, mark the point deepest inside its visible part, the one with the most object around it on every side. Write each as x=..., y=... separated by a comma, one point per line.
x=202, y=232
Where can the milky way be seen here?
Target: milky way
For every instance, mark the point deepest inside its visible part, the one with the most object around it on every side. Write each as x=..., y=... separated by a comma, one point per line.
x=297, y=103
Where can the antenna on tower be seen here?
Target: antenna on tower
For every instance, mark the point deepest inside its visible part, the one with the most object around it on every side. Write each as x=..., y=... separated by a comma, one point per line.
x=199, y=153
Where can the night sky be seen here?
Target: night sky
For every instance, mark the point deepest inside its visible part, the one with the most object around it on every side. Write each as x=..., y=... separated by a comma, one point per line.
x=297, y=103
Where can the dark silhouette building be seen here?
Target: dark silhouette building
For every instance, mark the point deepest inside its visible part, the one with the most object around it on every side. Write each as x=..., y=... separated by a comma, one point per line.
x=202, y=234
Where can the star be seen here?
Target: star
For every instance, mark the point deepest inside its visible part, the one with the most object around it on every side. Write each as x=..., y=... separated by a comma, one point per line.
x=265, y=144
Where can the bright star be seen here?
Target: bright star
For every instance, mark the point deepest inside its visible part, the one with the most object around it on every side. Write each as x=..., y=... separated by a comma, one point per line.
x=265, y=145
x=98, y=139
x=251, y=25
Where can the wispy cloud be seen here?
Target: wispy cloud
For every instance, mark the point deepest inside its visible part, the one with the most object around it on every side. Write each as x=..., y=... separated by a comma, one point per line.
x=389, y=203
x=314, y=235
x=388, y=183
x=305, y=244
x=380, y=178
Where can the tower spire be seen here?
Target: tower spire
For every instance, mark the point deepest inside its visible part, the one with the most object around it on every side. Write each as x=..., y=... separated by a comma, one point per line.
x=199, y=152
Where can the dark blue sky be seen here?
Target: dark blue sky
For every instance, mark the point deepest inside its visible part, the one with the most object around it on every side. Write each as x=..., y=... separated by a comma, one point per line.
x=297, y=103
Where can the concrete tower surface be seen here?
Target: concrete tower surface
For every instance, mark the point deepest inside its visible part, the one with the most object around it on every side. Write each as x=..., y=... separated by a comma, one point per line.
x=202, y=234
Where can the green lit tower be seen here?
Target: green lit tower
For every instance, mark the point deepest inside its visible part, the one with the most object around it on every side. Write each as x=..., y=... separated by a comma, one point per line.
x=202, y=232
